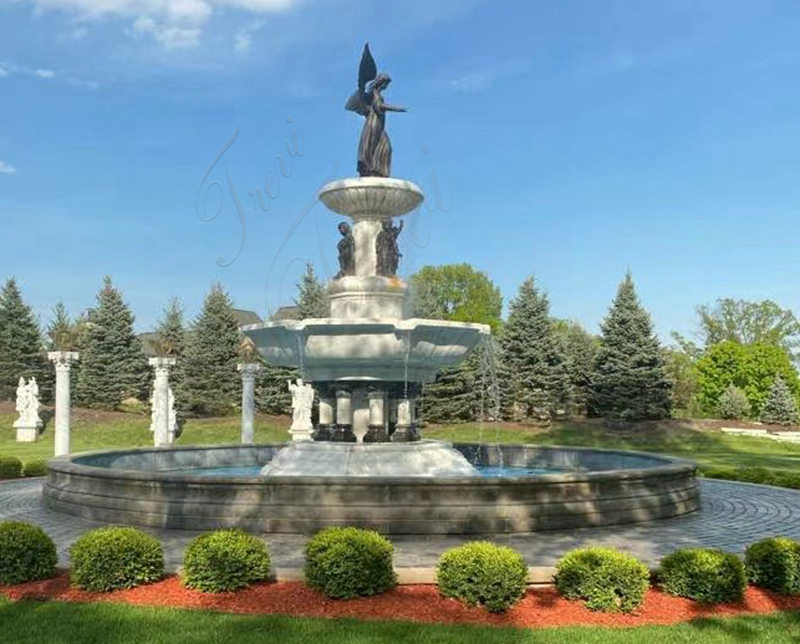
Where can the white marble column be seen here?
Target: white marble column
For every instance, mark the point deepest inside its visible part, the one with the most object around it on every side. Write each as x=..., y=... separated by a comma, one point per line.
x=63, y=362
x=404, y=430
x=377, y=416
x=161, y=399
x=249, y=371
x=326, y=407
x=365, y=234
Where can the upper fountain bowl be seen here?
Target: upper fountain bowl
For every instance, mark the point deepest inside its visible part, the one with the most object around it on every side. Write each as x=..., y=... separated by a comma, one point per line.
x=374, y=197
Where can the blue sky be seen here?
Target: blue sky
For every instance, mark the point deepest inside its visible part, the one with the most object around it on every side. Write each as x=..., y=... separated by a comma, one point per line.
x=570, y=140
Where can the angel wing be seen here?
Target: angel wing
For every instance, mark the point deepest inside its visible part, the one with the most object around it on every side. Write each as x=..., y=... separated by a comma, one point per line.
x=367, y=71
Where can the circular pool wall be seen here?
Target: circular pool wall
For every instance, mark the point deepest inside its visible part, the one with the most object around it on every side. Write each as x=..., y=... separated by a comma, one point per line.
x=151, y=488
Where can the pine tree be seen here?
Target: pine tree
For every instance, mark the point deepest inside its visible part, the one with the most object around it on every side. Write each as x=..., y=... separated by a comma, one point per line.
x=21, y=346
x=629, y=381
x=780, y=407
x=113, y=366
x=580, y=348
x=171, y=342
x=272, y=395
x=533, y=359
x=62, y=331
x=211, y=383
x=312, y=296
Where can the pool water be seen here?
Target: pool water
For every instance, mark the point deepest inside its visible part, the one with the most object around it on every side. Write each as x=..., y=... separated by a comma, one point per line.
x=487, y=471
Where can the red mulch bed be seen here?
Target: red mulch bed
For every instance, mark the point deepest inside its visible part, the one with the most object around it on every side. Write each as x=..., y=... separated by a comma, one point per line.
x=421, y=603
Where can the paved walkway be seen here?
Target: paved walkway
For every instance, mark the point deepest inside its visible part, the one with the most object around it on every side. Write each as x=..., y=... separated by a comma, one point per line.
x=733, y=515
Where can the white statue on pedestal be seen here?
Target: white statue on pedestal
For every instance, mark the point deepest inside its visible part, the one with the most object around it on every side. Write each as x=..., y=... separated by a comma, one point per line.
x=28, y=423
x=302, y=402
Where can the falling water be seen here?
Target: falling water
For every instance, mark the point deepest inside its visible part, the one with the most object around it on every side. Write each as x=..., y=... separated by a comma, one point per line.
x=406, y=356
x=300, y=355
x=489, y=370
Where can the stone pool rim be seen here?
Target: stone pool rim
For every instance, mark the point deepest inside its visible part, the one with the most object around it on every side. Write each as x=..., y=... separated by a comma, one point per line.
x=70, y=464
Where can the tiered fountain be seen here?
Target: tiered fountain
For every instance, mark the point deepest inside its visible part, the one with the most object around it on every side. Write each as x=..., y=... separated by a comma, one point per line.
x=366, y=464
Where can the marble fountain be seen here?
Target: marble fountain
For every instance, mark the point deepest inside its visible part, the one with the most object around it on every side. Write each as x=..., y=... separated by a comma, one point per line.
x=364, y=462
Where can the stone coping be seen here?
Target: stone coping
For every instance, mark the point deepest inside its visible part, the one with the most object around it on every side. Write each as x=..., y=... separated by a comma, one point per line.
x=81, y=464
x=367, y=324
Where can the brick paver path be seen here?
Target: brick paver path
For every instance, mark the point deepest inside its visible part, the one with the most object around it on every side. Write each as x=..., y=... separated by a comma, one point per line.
x=733, y=515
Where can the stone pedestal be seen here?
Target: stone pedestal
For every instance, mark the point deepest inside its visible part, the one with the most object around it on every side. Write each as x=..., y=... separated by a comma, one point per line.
x=327, y=418
x=63, y=362
x=405, y=431
x=161, y=432
x=344, y=417
x=249, y=372
x=377, y=418
x=27, y=433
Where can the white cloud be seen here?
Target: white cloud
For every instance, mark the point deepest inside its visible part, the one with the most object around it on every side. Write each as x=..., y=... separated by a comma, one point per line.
x=474, y=82
x=7, y=168
x=172, y=23
x=44, y=73
x=244, y=37
x=4, y=72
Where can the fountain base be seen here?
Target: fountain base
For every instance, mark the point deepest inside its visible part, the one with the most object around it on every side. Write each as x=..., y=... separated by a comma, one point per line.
x=419, y=459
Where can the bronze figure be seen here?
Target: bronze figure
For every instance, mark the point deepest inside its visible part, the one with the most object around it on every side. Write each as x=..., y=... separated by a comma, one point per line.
x=374, y=149
x=347, y=252
x=387, y=249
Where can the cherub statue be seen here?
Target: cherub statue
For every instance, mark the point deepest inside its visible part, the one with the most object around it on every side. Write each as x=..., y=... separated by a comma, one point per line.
x=347, y=252
x=374, y=149
x=302, y=402
x=387, y=249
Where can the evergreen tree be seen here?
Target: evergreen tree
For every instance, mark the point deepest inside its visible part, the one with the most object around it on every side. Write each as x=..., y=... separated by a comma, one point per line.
x=312, y=296
x=21, y=346
x=580, y=348
x=62, y=331
x=210, y=378
x=272, y=395
x=629, y=381
x=780, y=408
x=534, y=361
x=113, y=365
x=171, y=342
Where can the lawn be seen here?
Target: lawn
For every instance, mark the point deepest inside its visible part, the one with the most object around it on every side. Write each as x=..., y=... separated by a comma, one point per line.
x=105, y=430
x=56, y=622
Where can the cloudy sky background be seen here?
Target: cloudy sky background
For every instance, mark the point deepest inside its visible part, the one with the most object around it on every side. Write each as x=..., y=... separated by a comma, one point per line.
x=571, y=140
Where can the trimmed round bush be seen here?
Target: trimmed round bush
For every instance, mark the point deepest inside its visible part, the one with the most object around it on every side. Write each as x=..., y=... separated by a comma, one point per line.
x=225, y=560
x=706, y=575
x=111, y=558
x=482, y=573
x=774, y=564
x=35, y=467
x=26, y=553
x=10, y=467
x=349, y=562
x=605, y=579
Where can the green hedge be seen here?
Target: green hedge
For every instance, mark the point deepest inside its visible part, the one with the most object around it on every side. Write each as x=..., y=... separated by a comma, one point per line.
x=706, y=575
x=604, y=578
x=111, y=558
x=483, y=573
x=349, y=562
x=225, y=560
x=10, y=467
x=35, y=467
x=761, y=475
x=26, y=553
x=774, y=564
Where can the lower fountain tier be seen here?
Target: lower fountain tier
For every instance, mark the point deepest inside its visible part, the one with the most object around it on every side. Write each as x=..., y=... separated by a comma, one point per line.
x=366, y=349
x=423, y=458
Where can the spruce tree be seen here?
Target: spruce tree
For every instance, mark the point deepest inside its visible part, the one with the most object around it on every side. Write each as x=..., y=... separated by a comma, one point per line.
x=629, y=381
x=580, y=348
x=21, y=346
x=62, y=331
x=211, y=382
x=312, y=296
x=113, y=366
x=780, y=408
x=533, y=359
x=171, y=342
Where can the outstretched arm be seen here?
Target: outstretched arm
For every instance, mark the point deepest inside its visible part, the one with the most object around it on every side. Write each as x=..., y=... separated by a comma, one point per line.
x=394, y=108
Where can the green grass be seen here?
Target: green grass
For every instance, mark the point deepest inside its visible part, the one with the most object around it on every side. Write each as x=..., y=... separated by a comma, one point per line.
x=708, y=448
x=56, y=623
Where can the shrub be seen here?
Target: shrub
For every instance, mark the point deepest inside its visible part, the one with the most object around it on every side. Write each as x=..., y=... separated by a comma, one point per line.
x=10, y=467
x=759, y=475
x=482, y=573
x=35, y=467
x=26, y=553
x=604, y=578
x=225, y=560
x=733, y=404
x=774, y=564
x=349, y=562
x=706, y=575
x=110, y=558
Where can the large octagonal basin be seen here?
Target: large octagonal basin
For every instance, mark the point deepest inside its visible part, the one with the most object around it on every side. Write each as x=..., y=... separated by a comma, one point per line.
x=412, y=350
x=171, y=488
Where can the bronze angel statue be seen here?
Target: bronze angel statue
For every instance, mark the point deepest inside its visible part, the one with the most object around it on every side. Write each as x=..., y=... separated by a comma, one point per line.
x=374, y=149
